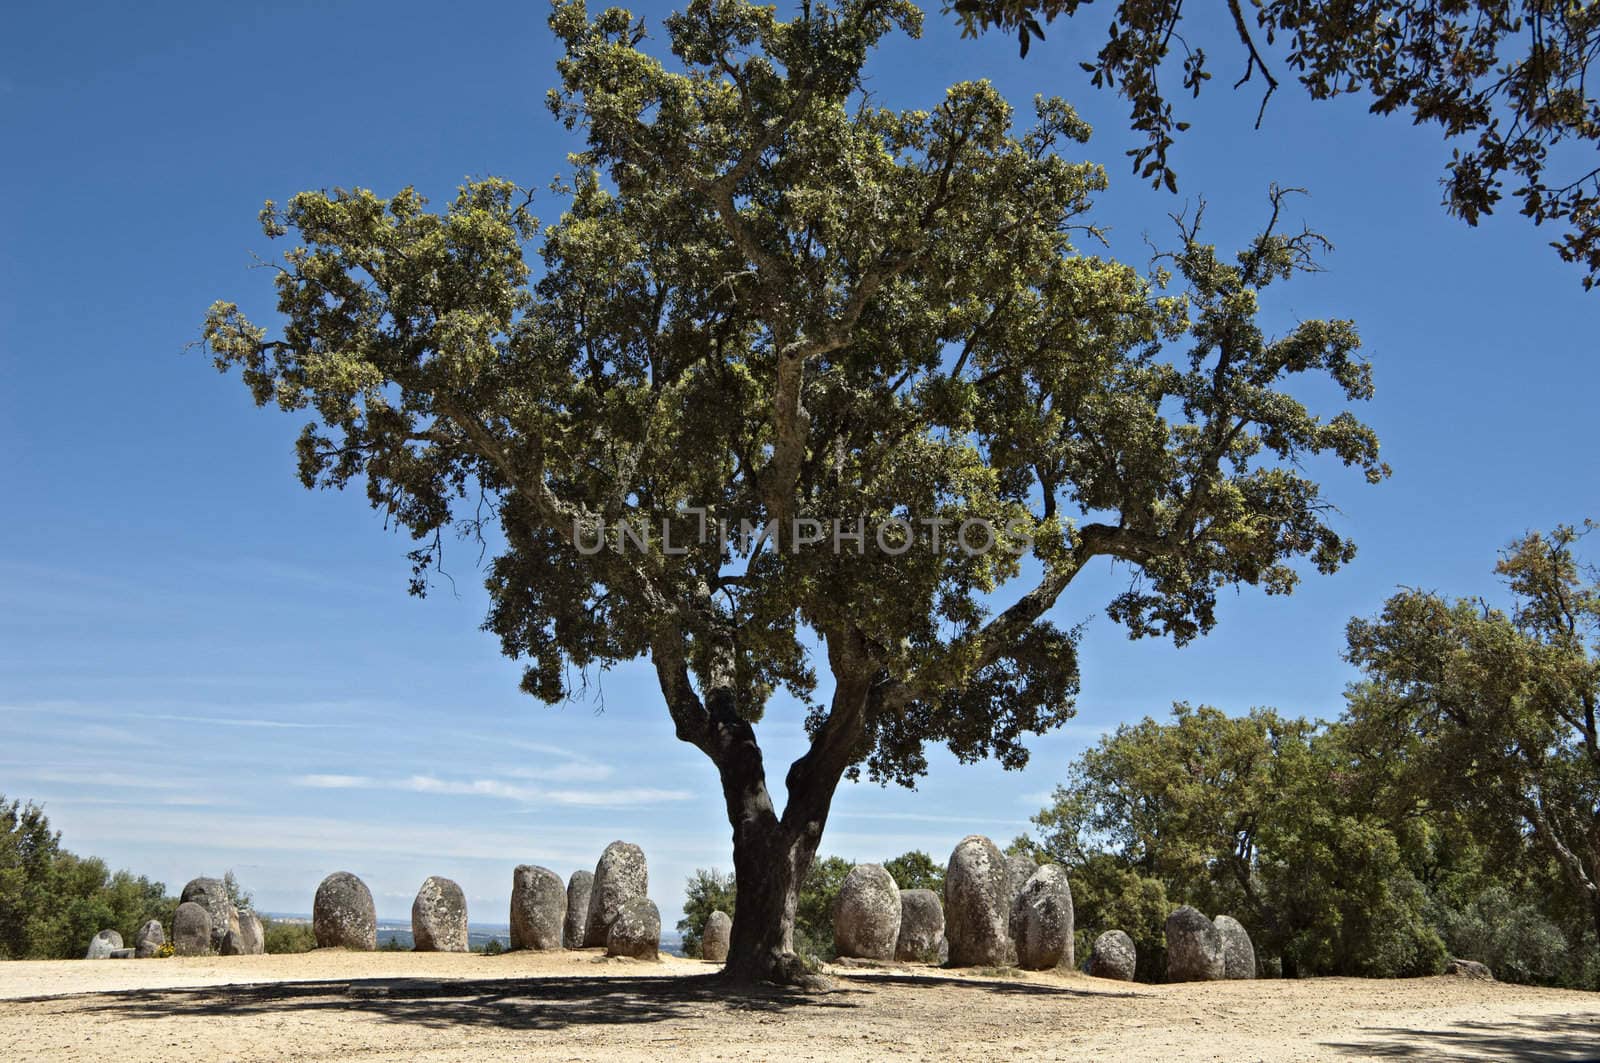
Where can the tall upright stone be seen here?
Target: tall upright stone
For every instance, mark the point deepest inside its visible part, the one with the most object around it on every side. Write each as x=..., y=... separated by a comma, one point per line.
x=976, y=905
x=342, y=914
x=1238, y=954
x=1194, y=948
x=1042, y=920
x=538, y=908
x=579, y=886
x=252, y=934
x=439, y=917
x=866, y=914
x=921, y=927
x=715, y=936
x=212, y=895
x=191, y=930
x=621, y=876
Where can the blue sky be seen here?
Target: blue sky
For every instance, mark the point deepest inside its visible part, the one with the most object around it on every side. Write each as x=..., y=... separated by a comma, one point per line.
x=203, y=666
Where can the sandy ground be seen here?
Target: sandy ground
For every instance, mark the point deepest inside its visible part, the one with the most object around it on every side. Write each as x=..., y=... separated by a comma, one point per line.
x=576, y=1006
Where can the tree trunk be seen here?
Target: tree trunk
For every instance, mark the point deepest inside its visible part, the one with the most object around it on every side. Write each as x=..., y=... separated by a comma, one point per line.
x=768, y=873
x=771, y=856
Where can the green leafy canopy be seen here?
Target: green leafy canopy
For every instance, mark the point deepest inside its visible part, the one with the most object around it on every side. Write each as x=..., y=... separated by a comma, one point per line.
x=768, y=299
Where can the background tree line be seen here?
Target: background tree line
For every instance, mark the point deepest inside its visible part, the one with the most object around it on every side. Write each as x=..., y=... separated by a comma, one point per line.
x=1453, y=808
x=52, y=901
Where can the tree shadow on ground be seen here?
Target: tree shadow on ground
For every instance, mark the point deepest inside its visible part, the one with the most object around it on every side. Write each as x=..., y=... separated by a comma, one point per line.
x=515, y=1003
x=1529, y=1038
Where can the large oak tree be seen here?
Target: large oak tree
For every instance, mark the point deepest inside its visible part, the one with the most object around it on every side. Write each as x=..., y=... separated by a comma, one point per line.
x=769, y=300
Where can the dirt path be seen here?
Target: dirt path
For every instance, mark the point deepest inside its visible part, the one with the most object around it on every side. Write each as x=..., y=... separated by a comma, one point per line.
x=575, y=1006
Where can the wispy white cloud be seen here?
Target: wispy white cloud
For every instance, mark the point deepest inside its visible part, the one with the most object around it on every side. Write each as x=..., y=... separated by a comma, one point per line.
x=611, y=797
x=95, y=777
x=237, y=721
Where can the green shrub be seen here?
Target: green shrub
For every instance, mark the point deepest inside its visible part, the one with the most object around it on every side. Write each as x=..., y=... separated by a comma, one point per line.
x=1509, y=934
x=707, y=891
x=285, y=937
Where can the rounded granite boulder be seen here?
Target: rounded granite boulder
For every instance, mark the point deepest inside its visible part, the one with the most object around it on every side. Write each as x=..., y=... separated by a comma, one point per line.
x=621, y=876
x=1042, y=920
x=538, y=908
x=977, y=905
x=715, y=937
x=212, y=895
x=921, y=927
x=439, y=916
x=636, y=931
x=866, y=914
x=252, y=934
x=1113, y=956
x=148, y=941
x=342, y=914
x=191, y=930
x=103, y=944
x=1238, y=954
x=1194, y=948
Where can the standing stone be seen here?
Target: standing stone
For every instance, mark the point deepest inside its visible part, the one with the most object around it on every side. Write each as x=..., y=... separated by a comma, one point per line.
x=252, y=934
x=342, y=915
x=1019, y=869
x=232, y=944
x=866, y=914
x=1194, y=948
x=976, y=910
x=921, y=927
x=619, y=877
x=439, y=917
x=148, y=941
x=636, y=930
x=715, y=936
x=578, y=889
x=103, y=944
x=212, y=895
x=1113, y=956
x=191, y=930
x=538, y=908
x=1041, y=920
x=1238, y=955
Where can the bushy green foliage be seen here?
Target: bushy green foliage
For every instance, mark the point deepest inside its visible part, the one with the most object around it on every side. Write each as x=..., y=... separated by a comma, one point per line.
x=53, y=901
x=238, y=896
x=707, y=891
x=1510, y=934
x=492, y=947
x=916, y=870
x=282, y=937
x=1453, y=809
x=813, y=921
x=1244, y=816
